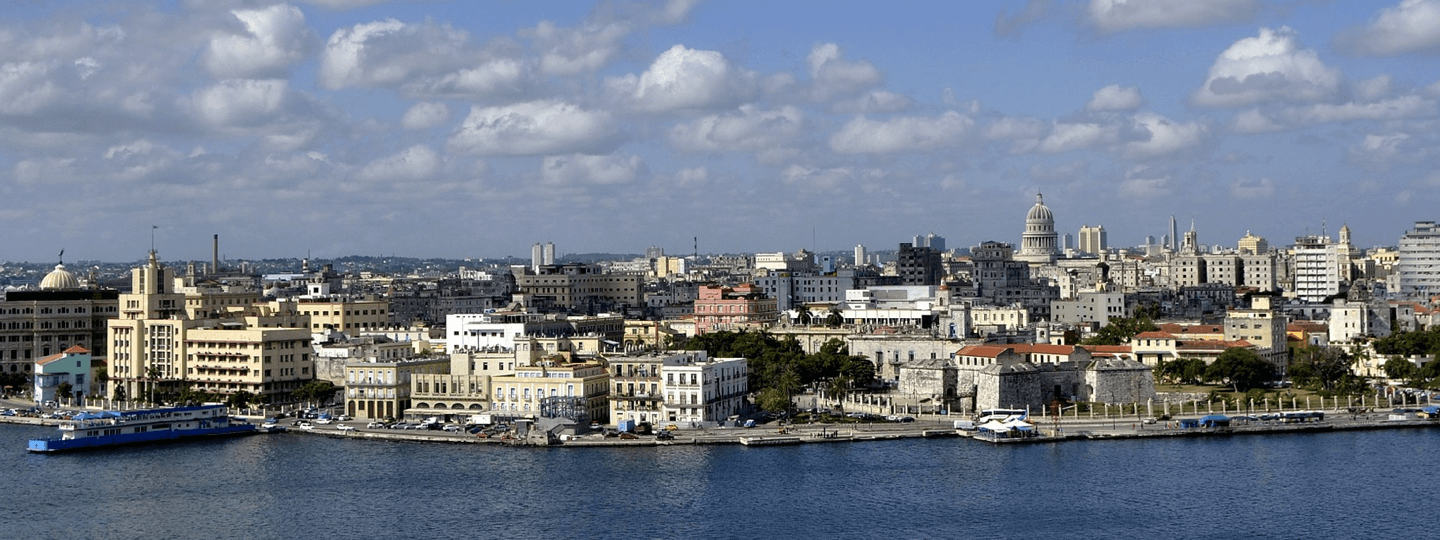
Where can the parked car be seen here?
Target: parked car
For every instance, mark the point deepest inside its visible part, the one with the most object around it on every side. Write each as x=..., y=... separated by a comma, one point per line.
x=374, y=425
x=323, y=421
x=451, y=428
x=345, y=427
x=664, y=436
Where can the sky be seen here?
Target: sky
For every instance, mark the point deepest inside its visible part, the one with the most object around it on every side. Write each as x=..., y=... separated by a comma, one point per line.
x=431, y=128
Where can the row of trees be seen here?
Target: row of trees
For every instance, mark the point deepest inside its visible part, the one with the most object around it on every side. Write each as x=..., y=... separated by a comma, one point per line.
x=1239, y=368
x=780, y=369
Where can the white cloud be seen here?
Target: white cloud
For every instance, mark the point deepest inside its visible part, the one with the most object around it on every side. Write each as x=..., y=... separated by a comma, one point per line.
x=425, y=115
x=1378, y=148
x=274, y=39
x=1116, y=98
x=1069, y=136
x=241, y=102
x=418, y=162
x=834, y=76
x=682, y=78
x=1411, y=26
x=876, y=101
x=425, y=59
x=535, y=128
x=692, y=177
x=902, y=134
x=500, y=77
x=571, y=51
x=1262, y=188
x=1165, y=136
x=747, y=129
x=1400, y=108
x=811, y=177
x=1120, y=15
x=1146, y=183
x=1268, y=67
x=597, y=170
x=1372, y=89
x=1015, y=127
x=342, y=62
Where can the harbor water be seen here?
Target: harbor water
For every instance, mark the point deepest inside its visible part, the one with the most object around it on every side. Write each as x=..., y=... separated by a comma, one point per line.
x=1325, y=485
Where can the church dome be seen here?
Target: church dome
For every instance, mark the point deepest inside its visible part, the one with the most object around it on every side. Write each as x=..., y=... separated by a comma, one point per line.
x=1040, y=212
x=60, y=278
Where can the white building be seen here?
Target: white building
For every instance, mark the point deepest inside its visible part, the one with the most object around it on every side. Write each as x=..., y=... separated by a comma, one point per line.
x=1319, y=268
x=71, y=366
x=1419, y=261
x=701, y=389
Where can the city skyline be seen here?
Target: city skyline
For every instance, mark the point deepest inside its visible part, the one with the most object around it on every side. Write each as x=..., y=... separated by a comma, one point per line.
x=334, y=127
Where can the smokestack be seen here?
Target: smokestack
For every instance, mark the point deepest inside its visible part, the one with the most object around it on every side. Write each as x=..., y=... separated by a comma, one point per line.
x=215, y=255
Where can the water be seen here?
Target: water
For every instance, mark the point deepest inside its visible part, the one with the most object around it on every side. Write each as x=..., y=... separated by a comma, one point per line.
x=1335, y=485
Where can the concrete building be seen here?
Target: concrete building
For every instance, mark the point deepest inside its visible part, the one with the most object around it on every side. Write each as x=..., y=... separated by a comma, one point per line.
x=554, y=389
x=1093, y=308
x=1093, y=240
x=376, y=390
x=349, y=316
x=1253, y=245
x=700, y=389
x=1418, y=262
x=741, y=307
x=581, y=287
x=1262, y=327
x=792, y=290
x=72, y=366
x=918, y=265
x=156, y=345
x=1319, y=268
x=62, y=314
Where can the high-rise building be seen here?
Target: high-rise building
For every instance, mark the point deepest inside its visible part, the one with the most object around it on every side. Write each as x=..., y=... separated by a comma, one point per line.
x=859, y=254
x=1039, y=243
x=1253, y=245
x=1318, y=268
x=1172, y=238
x=1419, y=262
x=1094, y=239
x=537, y=257
x=549, y=253
x=919, y=265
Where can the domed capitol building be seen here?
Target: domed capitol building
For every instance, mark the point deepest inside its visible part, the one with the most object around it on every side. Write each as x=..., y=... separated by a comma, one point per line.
x=63, y=312
x=1039, y=244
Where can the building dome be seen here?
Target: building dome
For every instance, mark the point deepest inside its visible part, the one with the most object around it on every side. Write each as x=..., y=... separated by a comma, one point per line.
x=1040, y=212
x=60, y=278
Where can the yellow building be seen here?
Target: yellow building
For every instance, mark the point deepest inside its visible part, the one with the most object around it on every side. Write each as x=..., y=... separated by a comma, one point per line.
x=576, y=390
x=376, y=390
x=346, y=316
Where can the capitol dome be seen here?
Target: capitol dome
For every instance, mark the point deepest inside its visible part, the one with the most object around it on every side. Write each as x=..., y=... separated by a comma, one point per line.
x=1040, y=212
x=59, y=279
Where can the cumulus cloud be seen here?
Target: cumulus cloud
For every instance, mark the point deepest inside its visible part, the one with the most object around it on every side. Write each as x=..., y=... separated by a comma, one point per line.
x=876, y=101
x=547, y=127
x=241, y=102
x=1116, y=98
x=273, y=39
x=1109, y=16
x=834, y=76
x=1012, y=25
x=817, y=178
x=1378, y=148
x=1163, y=136
x=424, y=115
x=1411, y=26
x=571, y=51
x=901, y=134
x=1146, y=183
x=1269, y=67
x=683, y=78
x=747, y=129
x=418, y=162
x=692, y=177
x=580, y=169
x=1070, y=136
x=1400, y=108
x=1260, y=188
x=425, y=59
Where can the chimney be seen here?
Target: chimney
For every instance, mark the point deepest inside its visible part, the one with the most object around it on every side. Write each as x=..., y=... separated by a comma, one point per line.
x=215, y=255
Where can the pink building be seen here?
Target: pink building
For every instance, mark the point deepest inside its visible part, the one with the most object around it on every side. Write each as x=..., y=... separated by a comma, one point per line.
x=744, y=307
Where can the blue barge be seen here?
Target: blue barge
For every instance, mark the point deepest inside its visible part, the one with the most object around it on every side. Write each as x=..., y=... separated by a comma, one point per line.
x=116, y=428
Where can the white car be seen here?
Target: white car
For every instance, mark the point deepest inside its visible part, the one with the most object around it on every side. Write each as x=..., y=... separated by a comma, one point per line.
x=344, y=427
x=307, y=426
x=374, y=425
x=323, y=421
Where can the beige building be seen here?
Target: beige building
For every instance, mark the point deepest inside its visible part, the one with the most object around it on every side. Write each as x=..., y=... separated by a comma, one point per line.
x=575, y=390
x=62, y=314
x=156, y=345
x=351, y=317
x=576, y=286
x=375, y=390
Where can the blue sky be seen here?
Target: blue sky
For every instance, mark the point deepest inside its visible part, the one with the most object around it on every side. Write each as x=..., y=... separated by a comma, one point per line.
x=457, y=129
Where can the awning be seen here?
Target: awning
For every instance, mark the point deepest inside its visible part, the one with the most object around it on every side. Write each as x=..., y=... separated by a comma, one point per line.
x=994, y=426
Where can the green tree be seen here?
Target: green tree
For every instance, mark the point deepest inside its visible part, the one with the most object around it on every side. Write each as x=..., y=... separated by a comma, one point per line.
x=62, y=392
x=240, y=400
x=834, y=319
x=1120, y=330
x=1321, y=368
x=1241, y=368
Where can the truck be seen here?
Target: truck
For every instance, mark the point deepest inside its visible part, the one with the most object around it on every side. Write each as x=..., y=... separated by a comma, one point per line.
x=483, y=419
x=626, y=426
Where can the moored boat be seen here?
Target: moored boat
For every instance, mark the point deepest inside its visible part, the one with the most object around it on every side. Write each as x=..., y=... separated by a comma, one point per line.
x=115, y=428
